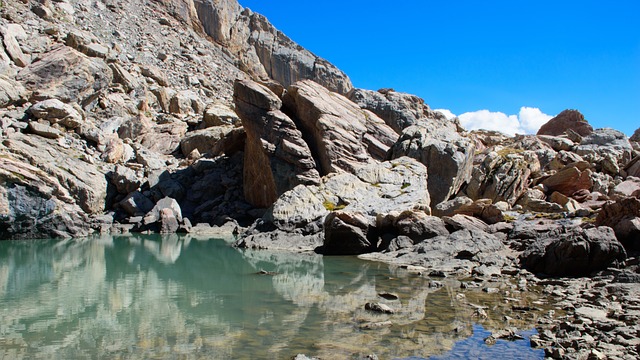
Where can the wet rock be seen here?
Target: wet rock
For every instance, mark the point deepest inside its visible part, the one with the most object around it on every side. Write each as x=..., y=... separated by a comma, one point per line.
x=347, y=233
x=573, y=252
x=379, y=308
x=568, y=119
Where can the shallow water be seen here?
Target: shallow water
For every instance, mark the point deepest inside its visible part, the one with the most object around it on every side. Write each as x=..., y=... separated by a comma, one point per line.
x=179, y=297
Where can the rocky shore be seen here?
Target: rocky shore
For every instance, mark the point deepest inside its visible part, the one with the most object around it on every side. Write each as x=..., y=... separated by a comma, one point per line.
x=199, y=116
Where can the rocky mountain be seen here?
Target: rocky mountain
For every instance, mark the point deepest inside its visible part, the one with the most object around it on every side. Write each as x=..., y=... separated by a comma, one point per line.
x=199, y=116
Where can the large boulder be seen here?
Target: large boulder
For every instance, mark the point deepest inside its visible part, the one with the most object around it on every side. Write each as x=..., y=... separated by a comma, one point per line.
x=567, y=120
x=276, y=157
x=503, y=175
x=573, y=252
x=341, y=135
x=624, y=217
x=55, y=111
x=572, y=178
x=447, y=155
x=67, y=75
x=347, y=233
x=398, y=110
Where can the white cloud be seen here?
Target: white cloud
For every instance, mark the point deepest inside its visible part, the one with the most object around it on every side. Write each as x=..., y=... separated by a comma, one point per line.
x=528, y=120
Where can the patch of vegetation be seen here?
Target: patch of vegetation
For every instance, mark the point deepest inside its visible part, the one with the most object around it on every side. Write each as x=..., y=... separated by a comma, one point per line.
x=330, y=206
x=405, y=185
x=588, y=220
x=508, y=218
x=508, y=151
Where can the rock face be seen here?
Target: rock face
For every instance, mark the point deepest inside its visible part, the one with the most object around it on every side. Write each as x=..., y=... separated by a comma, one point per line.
x=567, y=120
x=624, y=217
x=503, y=175
x=262, y=49
x=341, y=136
x=447, y=155
x=573, y=252
x=276, y=157
x=398, y=110
x=65, y=74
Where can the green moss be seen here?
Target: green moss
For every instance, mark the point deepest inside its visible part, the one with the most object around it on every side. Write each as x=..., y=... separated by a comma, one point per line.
x=508, y=218
x=405, y=185
x=507, y=151
x=330, y=206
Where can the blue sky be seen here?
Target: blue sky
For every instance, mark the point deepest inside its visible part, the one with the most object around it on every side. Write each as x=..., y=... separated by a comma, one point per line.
x=500, y=56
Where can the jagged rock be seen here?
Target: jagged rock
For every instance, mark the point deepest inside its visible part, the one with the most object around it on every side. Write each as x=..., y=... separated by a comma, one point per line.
x=155, y=73
x=123, y=77
x=67, y=75
x=571, y=178
x=205, y=140
x=125, y=180
x=624, y=217
x=414, y=224
x=483, y=209
x=168, y=222
x=398, y=110
x=564, y=158
x=557, y=143
x=167, y=203
x=567, y=203
x=535, y=200
x=503, y=175
x=633, y=167
x=629, y=187
x=219, y=115
x=447, y=155
x=573, y=252
x=375, y=189
x=55, y=111
x=44, y=130
x=462, y=222
x=11, y=92
x=444, y=253
x=263, y=50
x=12, y=47
x=450, y=207
x=568, y=119
x=136, y=204
x=339, y=133
x=276, y=157
x=185, y=102
x=609, y=149
x=347, y=233
x=281, y=240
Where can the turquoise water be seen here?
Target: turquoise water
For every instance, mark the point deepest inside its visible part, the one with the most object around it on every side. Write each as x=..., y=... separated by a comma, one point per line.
x=154, y=297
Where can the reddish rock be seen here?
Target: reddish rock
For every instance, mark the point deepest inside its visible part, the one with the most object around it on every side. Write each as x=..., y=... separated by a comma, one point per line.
x=566, y=120
x=572, y=178
x=624, y=217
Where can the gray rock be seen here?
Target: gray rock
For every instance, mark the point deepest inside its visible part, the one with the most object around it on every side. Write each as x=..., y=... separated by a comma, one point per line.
x=452, y=153
x=205, y=140
x=398, y=110
x=168, y=203
x=11, y=92
x=136, y=204
x=125, y=180
x=219, y=115
x=573, y=252
x=276, y=158
x=168, y=222
x=346, y=233
x=44, y=130
x=342, y=136
x=66, y=75
x=503, y=175
x=155, y=73
x=55, y=111
x=624, y=217
x=12, y=46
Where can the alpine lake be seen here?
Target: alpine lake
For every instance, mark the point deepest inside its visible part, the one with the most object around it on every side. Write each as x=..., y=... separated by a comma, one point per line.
x=186, y=297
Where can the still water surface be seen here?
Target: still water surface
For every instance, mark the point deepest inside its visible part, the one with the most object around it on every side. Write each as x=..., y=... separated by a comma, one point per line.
x=181, y=297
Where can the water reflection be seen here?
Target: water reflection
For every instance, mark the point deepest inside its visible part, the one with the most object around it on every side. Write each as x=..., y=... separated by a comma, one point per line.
x=173, y=296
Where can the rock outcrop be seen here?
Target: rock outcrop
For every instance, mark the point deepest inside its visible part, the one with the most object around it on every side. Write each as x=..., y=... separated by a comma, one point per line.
x=276, y=158
x=341, y=136
x=447, y=155
x=568, y=120
x=624, y=217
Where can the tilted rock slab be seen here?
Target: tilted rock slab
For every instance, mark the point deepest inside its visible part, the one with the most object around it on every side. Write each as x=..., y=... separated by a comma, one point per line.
x=624, y=217
x=276, y=158
x=341, y=136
